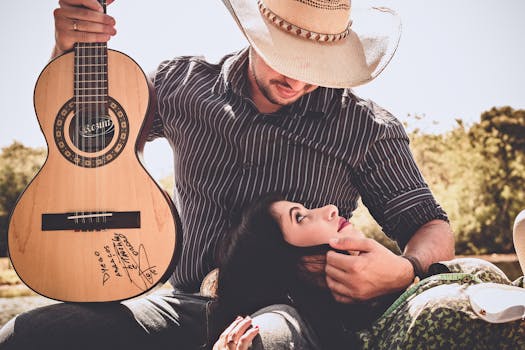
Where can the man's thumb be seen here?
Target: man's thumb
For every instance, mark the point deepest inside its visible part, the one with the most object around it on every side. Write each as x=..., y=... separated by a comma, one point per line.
x=350, y=243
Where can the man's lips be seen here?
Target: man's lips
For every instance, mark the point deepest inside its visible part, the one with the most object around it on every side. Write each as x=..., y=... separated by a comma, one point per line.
x=285, y=91
x=342, y=224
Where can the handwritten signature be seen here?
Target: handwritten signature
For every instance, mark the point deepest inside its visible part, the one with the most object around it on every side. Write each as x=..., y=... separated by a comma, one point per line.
x=126, y=259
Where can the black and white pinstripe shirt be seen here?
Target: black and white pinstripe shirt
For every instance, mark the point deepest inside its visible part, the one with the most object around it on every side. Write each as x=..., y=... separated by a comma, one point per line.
x=328, y=147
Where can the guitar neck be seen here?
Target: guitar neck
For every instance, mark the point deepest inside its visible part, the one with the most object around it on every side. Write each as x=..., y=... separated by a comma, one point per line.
x=91, y=77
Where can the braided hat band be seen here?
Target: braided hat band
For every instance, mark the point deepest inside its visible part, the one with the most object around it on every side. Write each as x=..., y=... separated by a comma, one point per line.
x=296, y=30
x=314, y=41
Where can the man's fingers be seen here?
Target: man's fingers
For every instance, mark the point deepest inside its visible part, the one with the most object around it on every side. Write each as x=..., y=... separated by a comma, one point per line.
x=73, y=24
x=95, y=22
x=91, y=4
x=347, y=242
x=335, y=273
x=343, y=262
x=343, y=299
x=338, y=287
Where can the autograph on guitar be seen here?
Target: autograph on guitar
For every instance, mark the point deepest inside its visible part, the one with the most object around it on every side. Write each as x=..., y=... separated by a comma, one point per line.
x=93, y=226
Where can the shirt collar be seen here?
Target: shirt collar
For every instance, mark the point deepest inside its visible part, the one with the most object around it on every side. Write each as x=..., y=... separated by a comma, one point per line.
x=233, y=74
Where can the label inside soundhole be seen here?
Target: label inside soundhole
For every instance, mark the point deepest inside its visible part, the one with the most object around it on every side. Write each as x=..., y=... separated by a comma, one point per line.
x=91, y=134
x=93, y=140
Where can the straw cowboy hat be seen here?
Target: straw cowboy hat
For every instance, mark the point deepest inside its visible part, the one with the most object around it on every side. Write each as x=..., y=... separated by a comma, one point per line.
x=321, y=42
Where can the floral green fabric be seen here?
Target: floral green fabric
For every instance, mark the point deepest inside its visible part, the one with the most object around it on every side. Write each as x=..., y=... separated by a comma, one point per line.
x=436, y=314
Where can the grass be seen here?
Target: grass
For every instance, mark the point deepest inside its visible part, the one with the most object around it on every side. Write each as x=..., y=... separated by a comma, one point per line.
x=10, y=285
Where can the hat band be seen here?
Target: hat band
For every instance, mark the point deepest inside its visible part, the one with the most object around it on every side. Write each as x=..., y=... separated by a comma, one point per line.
x=298, y=31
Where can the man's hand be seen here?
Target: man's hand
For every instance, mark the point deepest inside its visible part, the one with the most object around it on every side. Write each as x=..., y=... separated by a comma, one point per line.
x=374, y=272
x=81, y=21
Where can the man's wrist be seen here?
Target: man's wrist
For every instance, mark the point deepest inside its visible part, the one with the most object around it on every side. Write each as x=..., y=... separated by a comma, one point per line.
x=416, y=265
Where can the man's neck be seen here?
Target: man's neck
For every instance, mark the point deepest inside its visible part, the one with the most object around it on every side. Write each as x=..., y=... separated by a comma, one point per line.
x=261, y=102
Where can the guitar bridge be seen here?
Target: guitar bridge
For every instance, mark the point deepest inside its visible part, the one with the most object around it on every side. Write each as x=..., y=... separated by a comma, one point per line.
x=90, y=221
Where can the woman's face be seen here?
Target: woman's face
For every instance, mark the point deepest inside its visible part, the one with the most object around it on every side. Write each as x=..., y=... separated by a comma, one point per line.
x=304, y=227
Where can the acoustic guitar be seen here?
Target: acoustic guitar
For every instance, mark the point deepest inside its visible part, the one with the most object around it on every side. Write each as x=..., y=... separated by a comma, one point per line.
x=93, y=226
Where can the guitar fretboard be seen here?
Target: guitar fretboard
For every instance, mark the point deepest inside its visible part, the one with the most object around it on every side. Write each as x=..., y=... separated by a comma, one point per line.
x=91, y=77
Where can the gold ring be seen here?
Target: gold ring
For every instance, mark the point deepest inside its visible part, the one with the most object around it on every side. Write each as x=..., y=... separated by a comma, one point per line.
x=75, y=25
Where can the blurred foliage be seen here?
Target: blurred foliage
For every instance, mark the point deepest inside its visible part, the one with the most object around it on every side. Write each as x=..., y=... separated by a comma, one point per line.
x=477, y=173
x=18, y=165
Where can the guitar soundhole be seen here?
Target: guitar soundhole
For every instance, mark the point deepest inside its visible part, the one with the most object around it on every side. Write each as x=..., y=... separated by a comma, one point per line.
x=91, y=134
x=91, y=140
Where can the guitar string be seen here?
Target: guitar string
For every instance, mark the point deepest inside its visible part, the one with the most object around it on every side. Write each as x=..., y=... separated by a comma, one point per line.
x=84, y=110
x=96, y=120
x=76, y=135
x=102, y=109
x=105, y=84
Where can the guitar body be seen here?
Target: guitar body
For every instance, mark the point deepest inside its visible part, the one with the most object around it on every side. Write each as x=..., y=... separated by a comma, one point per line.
x=93, y=226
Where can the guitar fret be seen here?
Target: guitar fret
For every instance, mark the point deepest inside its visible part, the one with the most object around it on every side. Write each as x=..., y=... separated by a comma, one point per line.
x=91, y=65
x=91, y=46
x=103, y=55
x=92, y=81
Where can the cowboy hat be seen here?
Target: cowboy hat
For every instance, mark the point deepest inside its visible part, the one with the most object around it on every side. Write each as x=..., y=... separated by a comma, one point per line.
x=318, y=41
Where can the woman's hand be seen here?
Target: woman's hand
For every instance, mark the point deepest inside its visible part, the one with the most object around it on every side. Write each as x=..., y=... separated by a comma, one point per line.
x=238, y=335
x=81, y=21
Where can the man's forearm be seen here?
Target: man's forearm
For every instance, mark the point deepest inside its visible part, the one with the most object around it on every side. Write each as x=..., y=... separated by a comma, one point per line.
x=431, y=243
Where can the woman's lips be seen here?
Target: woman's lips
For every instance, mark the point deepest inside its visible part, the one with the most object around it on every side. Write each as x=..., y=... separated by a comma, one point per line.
x=342, y=224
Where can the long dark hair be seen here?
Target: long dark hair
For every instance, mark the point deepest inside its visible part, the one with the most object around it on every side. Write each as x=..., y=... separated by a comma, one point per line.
x=256, y=265
x=258, y=268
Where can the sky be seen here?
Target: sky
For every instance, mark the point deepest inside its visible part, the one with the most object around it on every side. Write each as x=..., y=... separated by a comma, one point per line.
x=456, y=58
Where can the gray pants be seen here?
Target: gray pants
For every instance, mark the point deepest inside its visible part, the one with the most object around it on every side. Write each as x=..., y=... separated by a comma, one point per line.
x=157, y=321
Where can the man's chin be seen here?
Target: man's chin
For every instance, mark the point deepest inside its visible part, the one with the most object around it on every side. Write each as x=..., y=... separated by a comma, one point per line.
x=278, y=100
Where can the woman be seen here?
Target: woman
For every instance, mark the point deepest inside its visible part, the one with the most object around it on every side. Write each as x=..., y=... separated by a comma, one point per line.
x=276, y=255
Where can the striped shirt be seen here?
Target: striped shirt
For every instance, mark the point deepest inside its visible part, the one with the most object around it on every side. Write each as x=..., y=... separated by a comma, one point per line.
x=328, y=147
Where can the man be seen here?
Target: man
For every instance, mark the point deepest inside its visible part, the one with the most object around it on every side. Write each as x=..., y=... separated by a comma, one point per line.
x=278, y=116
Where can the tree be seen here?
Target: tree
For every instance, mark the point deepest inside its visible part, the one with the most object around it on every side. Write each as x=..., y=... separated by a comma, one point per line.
x=500, y=139
x=18, y=165
x=478, y=176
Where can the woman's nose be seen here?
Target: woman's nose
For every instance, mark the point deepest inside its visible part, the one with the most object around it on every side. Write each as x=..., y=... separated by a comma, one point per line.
x=330, y=212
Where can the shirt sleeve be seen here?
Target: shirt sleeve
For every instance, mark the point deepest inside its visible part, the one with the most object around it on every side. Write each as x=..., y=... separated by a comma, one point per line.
x=157, y=78
x=391, y=184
